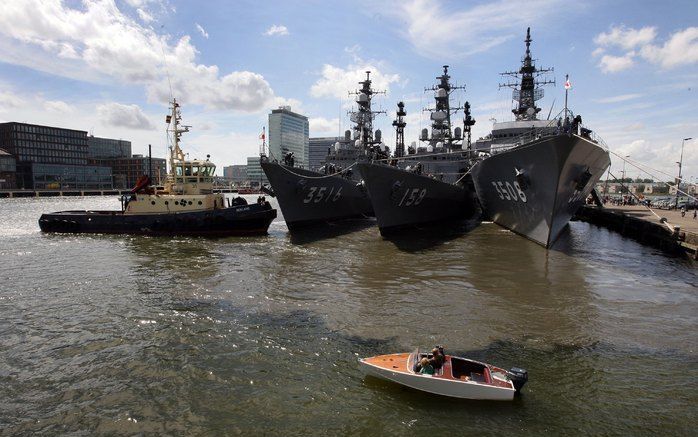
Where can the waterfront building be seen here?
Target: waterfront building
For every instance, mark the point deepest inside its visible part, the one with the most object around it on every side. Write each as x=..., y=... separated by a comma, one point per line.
x=51, y=157
x=255, y=175
x=127, y=170
x=289, y=132
x=98, y=147
x=236, y=174
x=8, y=169
x=318, y=148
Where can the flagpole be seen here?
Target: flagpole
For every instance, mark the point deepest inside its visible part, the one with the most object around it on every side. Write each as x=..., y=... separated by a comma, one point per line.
x=567, y=81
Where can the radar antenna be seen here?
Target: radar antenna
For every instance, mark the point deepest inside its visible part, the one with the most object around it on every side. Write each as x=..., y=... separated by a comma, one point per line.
x=442, y=111
x=400, y=124
x=363, y=116
x=526, y=84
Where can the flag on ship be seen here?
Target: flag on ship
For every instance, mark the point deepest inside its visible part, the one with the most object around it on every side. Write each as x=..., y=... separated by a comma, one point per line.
x=568, y=84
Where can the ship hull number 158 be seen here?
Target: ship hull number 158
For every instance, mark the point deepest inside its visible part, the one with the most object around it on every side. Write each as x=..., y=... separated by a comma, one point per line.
x=509, y=191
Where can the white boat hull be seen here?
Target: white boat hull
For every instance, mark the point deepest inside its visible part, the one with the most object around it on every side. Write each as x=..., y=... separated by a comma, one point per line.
x=441, y=386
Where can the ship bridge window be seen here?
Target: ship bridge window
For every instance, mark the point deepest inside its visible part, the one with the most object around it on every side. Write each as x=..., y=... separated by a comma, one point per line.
x=178, y=170
x=187, y=170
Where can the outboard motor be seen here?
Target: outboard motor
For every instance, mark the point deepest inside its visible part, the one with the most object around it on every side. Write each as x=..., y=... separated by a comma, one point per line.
x=518, y=377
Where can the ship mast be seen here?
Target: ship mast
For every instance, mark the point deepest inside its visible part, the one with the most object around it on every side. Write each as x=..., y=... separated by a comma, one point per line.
x=364, y=115
x=468, y=122
x=176, y=117
x=441, y=113
x=400, y=124
x=527, y=91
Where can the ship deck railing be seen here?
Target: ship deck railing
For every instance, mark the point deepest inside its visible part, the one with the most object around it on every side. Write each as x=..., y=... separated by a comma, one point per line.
x=549, y=130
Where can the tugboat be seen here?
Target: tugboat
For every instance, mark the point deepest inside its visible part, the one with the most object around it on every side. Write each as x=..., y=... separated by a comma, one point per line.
x=335, y=192
x=185, y=205
x=537, y=173
x=430, y=184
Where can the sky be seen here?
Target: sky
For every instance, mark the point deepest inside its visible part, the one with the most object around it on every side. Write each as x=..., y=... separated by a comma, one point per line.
x=110, y=67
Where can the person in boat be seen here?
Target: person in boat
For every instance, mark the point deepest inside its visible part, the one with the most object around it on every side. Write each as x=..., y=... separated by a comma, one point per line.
x=425, y=367
x=437, y=358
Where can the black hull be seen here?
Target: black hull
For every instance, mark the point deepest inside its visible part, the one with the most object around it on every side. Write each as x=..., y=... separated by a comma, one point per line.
x=309, y=198
x=403, y=200
x=560, y=172
x=253, y=219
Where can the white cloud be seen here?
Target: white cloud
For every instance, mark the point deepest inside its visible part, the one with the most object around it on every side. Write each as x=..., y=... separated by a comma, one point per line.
x=128, y=116
x=201, y=30
x=99, y=41
x=320, y=125
x=337, y=81
x=275, y=30
x=626, y=38
x=681, y=49
x=9, y=101
x=145, y=16
x=614, y=64
x=617, y=99
x=439, y=33
x=58, y=107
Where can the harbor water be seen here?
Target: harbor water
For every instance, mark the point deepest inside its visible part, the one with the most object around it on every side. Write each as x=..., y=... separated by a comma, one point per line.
x=123, y=335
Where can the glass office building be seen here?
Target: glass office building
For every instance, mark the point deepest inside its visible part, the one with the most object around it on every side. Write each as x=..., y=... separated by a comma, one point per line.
x=51, y=157
x=289, y=132
x=318, y=149
x=255, y=174
x=107, y=148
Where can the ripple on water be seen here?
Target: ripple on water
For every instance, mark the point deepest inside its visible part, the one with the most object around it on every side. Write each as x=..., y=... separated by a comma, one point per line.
x=128, y=335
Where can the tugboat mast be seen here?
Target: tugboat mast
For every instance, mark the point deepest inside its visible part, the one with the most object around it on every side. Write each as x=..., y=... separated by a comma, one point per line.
x=527, y=91
x=364, y=115
x=176, y=117
x=400, y=124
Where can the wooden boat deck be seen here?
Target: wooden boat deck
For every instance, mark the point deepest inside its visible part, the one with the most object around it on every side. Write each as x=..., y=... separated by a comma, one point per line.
x=398, y=363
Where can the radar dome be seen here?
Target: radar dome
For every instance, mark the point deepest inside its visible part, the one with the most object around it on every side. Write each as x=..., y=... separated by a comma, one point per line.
x=439, y=145
x=425, y=135
x=438, y=116
x=379, y=134
x=430, y=148
x=456, y=133
x=357, y=143
x=441, y=93
x=362, y=98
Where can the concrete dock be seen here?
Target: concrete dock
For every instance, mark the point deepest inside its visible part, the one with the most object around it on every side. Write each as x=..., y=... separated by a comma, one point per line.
x=670, y=231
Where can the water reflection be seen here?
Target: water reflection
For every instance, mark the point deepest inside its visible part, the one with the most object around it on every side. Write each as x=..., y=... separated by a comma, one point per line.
x=329, y=230
x=431, y=236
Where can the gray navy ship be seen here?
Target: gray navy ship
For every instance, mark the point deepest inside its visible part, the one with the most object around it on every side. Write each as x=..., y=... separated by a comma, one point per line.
x=430, y=184
x=537, y=173
x=335, y=191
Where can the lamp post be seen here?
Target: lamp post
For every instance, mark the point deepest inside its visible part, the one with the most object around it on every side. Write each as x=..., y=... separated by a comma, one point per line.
x=622, y=181
x=680, y=163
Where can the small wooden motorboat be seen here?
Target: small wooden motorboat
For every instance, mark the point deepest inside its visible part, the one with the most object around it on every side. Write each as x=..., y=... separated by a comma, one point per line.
x=458, y=377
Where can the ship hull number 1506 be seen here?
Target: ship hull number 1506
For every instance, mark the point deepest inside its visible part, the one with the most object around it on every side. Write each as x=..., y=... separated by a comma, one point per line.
x=509, y=191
